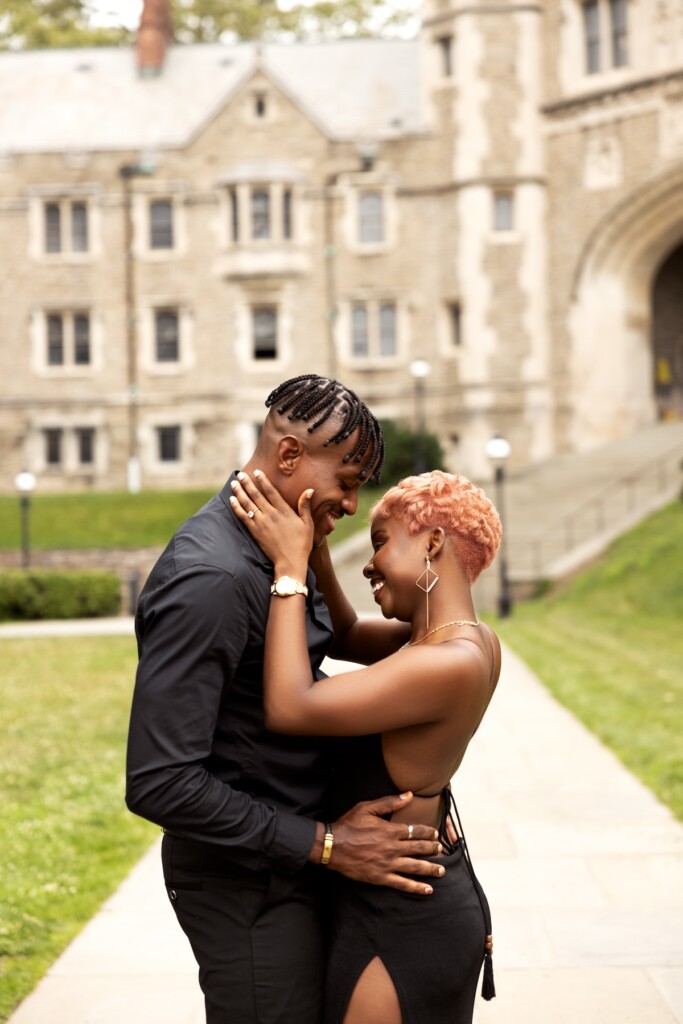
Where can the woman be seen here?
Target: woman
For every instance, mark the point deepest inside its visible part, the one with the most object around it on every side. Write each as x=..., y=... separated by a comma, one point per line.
x=409, y=716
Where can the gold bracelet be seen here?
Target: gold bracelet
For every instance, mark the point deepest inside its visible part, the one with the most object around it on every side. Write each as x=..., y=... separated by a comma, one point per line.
x=327, y=845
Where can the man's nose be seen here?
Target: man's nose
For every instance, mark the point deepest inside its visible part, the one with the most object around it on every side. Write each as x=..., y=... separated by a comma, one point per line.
x=350, y=503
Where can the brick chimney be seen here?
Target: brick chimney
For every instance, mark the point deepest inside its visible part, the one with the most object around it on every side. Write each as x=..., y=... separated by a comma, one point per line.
x=154, y=35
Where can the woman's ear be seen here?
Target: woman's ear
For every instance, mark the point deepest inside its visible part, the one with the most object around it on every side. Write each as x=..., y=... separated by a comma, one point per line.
x=436, y=540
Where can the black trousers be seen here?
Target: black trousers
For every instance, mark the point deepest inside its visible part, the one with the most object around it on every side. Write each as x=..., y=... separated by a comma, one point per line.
x=256, y=935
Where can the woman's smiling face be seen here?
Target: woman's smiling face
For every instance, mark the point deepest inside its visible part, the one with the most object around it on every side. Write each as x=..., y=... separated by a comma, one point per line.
x=397, y=560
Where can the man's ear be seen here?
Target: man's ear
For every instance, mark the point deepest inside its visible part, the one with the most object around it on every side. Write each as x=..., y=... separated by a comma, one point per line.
x=436, y=540
x=289, y=453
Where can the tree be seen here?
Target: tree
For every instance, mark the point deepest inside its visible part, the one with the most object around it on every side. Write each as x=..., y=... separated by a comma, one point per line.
x=209, y=20
x=402, y=445
x=37, y=24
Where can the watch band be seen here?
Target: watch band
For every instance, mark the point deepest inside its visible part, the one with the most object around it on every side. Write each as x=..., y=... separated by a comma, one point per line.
x=327, y=845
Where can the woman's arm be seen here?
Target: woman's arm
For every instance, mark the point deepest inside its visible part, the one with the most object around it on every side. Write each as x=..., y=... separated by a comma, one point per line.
x=411, y=687
x=363, y=640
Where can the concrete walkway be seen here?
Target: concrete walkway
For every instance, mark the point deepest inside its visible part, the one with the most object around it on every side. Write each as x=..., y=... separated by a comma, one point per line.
x=582, y=866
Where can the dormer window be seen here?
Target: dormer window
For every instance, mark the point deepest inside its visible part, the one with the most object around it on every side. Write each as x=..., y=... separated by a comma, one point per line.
x=260, y=108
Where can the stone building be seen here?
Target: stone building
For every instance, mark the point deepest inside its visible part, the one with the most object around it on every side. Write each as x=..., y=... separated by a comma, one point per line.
x=184, y=226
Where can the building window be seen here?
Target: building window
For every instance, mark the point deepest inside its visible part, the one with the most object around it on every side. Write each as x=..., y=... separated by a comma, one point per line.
x=53, y=437
x=161, y=224
x=591, y=24
x=168, y=444
x=264, y=328
x=55, y=340
x=167, y=336
x=455, y=324
x=81, y=339
x=374, y=330
x=605, y=21
x=234, y=214
x=371, y=217
x=74, y=215
x=446, y=47
x=260, y=105
x=79, y=227
x=619, y=22
x=68, y=339
x=287, y=214
x=260, y=214
x=387, y=330
x=503, y=211
x=359, y=331
x=53, y=227
x=85, y=445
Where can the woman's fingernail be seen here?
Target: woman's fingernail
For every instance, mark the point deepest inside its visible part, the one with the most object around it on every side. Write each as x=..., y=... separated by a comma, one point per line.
x=241, y=476
x=257, y=472
x=234, y=485
x=442, y=871
x=428, y=890
x=233, y=499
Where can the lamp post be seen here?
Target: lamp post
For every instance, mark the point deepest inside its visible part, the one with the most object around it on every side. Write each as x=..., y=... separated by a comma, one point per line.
x=127, y=172
x=498, y=450
x=419, y=371
x=25, y=483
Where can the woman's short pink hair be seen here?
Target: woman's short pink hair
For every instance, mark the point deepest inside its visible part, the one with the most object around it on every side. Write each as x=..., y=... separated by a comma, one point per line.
x=459, y=507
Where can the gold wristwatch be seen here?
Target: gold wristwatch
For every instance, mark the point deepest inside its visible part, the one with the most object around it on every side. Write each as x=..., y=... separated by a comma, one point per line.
x=287, y=586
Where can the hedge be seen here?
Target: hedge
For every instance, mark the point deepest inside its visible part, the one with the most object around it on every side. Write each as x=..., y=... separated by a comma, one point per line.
x=51, y=594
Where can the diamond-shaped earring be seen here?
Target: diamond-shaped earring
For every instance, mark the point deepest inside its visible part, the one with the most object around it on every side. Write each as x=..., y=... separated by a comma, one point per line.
x=426, y=581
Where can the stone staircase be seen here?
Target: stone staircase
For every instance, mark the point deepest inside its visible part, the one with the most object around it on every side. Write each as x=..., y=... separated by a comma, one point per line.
x=561, y=513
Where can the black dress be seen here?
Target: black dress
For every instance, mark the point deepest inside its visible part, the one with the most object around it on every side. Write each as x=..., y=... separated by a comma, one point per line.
x=432, y=946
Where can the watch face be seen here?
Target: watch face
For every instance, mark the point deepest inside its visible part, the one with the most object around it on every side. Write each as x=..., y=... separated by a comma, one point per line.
x=286, y=586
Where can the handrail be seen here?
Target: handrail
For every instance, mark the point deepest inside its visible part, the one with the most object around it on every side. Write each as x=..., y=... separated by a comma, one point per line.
x=597, y=514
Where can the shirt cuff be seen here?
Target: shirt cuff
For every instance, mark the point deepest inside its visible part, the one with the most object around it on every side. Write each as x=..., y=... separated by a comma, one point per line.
x=292, y=843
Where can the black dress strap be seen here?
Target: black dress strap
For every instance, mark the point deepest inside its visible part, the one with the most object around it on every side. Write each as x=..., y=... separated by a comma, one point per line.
x=488, y=988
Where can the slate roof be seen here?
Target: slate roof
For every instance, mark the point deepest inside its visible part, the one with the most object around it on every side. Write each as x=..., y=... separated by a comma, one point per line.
x=93, y=98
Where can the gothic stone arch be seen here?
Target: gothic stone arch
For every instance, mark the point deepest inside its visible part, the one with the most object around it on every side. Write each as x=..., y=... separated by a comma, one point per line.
x=612, y=373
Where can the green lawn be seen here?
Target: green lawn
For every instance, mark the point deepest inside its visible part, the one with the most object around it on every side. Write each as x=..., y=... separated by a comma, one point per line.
x=609, y=645
x=100, y=520
x=119, y=519
x=66, y=839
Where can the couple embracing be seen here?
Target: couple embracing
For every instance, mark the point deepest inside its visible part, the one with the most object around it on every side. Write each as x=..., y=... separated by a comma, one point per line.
x=311, y=851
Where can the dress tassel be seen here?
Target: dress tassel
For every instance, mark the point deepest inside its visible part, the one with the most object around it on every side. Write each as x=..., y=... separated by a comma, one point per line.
x=488, y=988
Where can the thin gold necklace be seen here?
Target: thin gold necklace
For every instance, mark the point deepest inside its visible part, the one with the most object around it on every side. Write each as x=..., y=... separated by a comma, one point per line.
x=455, y=622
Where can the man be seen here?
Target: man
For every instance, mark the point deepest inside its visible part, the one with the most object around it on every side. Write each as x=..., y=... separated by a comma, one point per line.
x=242, y=807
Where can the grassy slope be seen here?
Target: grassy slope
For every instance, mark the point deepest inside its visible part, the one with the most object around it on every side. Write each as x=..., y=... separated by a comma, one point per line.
x=610, y=647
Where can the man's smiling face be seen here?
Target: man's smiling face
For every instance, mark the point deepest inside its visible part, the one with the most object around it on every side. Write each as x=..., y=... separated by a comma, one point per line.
x=335, y=484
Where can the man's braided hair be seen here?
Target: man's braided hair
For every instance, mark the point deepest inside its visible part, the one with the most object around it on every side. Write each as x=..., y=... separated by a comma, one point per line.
x=310, y=397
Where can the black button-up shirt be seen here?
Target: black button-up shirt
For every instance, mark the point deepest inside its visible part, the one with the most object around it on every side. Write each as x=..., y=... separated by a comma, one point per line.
x=201, y=762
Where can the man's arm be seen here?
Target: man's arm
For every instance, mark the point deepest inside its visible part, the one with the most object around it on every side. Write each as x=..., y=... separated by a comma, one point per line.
x=193, y=631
